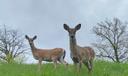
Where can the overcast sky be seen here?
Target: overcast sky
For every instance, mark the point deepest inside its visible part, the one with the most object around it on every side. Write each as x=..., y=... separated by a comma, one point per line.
x=45, y=18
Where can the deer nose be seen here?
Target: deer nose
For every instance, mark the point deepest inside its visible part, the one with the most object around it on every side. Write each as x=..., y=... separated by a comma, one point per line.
x=72, y=36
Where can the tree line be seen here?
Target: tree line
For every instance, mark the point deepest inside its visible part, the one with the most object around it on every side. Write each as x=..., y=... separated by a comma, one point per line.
x=111, y=44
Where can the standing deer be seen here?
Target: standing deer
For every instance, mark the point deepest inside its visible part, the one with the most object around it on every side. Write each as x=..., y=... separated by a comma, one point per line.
x=79, y=54
x=54, y=55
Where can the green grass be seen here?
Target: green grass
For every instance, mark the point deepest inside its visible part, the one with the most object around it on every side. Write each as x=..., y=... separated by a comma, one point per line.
x=101, y=68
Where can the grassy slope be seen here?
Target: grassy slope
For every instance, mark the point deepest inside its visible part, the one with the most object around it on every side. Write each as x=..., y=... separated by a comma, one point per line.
x=101, y=68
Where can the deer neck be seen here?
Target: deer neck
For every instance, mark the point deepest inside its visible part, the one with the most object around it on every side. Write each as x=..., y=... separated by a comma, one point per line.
x=73, y=45
x=33, y=48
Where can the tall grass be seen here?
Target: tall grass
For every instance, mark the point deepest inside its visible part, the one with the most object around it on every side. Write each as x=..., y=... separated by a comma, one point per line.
x=101, y=68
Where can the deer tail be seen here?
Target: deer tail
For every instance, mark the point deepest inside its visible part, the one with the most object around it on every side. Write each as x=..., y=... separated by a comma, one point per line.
x=64, y=54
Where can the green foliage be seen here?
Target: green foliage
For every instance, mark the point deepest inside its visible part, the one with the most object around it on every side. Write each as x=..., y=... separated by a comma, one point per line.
x=101, y=68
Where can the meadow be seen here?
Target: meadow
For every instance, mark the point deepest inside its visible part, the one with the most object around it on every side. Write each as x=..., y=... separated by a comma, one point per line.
x=101, y=68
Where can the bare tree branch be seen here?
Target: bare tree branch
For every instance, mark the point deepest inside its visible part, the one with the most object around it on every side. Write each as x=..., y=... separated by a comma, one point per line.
x=11, y=44
x=112, y=33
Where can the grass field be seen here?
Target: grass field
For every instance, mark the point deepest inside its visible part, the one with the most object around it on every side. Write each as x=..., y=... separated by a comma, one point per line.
x=101, y=68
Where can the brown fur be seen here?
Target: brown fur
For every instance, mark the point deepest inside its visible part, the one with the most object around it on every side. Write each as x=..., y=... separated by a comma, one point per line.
x=79, y=54
x=54, y=55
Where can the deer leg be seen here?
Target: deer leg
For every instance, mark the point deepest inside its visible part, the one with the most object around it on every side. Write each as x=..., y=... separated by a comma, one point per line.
x=77, y=68
x=39, y=64
x=62, y=61
x=55, y=62
x=75, y=65
x=80, y=65
x=87, y=64
x=91, y=65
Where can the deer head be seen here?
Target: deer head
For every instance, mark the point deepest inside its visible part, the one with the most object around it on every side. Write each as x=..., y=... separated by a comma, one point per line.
x=72, y=31
x=30, y=40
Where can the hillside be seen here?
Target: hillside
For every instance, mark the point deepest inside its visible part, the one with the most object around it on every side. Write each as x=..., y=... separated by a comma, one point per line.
x=101, y=68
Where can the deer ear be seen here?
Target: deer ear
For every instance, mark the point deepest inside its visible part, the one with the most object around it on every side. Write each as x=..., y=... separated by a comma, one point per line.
x=34, y=37
x=78, y=27
x=26, y=37
x=66, y=27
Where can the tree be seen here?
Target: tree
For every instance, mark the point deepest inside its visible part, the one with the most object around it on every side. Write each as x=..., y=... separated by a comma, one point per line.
x=11, y=44
x=112, y=40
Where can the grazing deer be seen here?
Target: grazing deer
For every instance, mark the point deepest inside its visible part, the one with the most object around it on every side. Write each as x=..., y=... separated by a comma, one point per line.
x=79, y=54
x=54, y=55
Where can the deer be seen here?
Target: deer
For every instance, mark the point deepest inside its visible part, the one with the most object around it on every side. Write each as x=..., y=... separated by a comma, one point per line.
x=79, y=55
x=49, y=55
